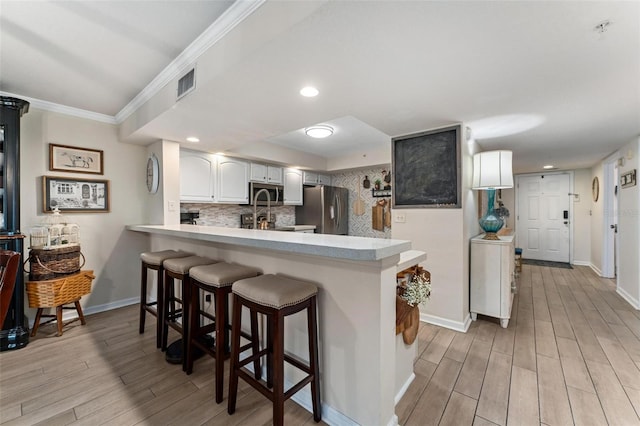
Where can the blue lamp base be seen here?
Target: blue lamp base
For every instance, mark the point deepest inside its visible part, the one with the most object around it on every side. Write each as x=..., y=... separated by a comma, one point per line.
x=491, y=223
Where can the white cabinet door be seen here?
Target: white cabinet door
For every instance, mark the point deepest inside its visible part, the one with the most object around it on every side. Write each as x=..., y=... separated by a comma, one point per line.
x=274, y=175
x=292, y=187
x=197, y=176
x=324, y=179
x=233, y=181
x=259, y=173
x=310, y=178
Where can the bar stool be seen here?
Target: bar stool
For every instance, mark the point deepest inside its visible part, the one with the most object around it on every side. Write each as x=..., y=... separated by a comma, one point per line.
x=178, y=269
x=275, y=296
x=217, y=280
x=153, y=260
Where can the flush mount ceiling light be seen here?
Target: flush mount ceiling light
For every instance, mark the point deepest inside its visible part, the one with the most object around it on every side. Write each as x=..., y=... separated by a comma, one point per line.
x=309, y=92
x=320, y=131
x=192, y=139
x=548, y=166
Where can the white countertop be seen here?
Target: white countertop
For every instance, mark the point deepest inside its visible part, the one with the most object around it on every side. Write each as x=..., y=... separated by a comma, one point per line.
x=335, y=246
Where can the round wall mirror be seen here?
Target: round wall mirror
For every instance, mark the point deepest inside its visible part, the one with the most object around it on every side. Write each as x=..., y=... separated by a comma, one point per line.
x=595, y=188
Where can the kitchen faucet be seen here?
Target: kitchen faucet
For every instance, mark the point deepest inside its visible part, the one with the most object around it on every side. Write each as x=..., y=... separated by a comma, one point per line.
x=255, y=207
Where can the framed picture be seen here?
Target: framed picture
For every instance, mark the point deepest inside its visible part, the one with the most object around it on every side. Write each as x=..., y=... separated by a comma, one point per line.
x=63, y=158
x=426, y=169
x=75, y=195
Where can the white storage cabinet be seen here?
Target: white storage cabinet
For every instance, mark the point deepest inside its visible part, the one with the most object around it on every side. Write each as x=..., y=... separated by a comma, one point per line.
x=492, y=277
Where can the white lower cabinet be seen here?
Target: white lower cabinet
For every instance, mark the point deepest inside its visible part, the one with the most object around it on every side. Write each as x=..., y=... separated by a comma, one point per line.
x=492, y=277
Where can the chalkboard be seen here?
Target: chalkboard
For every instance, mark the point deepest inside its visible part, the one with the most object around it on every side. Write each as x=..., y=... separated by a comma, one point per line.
x=426, y=169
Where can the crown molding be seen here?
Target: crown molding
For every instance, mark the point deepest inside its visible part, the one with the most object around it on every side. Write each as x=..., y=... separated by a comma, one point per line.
x=63, y=109
x=235, y=14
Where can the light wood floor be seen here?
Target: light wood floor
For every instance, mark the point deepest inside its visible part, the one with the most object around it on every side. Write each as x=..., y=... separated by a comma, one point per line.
x=571, y=355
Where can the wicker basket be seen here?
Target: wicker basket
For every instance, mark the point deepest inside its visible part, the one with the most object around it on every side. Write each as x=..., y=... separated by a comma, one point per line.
x=54, y=263
x=60, y=291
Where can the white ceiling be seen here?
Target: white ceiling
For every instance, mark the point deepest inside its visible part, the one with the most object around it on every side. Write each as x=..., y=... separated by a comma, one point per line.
x=533, y=77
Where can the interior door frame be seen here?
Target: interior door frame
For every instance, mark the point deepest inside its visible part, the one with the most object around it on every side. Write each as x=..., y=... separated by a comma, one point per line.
x=609, y=260
x=571, y=191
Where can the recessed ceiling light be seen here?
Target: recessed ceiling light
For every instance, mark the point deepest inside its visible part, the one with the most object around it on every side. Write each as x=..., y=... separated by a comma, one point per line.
x=192, y=139
x=309, y=92
x=549, y=166
x=320, y=131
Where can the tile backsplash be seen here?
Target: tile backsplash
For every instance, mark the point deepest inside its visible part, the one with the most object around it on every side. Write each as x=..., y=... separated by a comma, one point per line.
x=360, y=226
x=228, y=215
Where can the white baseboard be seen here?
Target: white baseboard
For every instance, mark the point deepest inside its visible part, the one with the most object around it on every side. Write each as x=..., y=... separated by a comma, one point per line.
x=446, y=323
x=626, y=296
x=404, y=388
x=73, y=314
x=393, y=421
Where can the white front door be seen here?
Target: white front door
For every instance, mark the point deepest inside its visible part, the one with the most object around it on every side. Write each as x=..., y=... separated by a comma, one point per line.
x=543, y=216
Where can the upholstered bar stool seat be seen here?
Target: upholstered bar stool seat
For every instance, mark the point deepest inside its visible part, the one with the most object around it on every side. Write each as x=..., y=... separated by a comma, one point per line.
x=153, y=260
x=217, y=280
x=178, y=268
x=275, y=296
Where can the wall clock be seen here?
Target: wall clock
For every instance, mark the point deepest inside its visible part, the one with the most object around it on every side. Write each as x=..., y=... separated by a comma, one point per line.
x=595, y=188
x=153, y=174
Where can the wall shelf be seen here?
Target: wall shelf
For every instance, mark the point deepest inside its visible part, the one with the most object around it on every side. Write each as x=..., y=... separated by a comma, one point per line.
x=381, y=193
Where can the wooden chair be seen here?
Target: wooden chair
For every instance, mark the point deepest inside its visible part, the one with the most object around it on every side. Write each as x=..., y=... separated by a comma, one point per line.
x=9, y=266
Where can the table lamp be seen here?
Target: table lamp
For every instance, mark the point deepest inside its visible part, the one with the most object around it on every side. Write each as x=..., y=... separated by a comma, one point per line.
x=491, y=171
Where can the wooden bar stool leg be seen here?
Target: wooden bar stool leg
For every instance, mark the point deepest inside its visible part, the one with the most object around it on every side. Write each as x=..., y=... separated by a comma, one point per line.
x=186, y=296
x=278, y=369
x=235, y=354
x=167, y=312
x=80, y=314
x=36, y=323
x=143, y=296
x=193, y=329
x=255, y=344
x=313, y=359
x=269, y=352
x=59, y=319
x=221, y=339
x=159, y=307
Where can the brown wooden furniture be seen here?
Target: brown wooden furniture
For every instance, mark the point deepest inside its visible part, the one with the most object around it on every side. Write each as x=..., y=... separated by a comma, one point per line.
x=178, y=269
x=153, y=261
x=9, y=266
x=215, y=279
x=276, y=297
x=55, y=294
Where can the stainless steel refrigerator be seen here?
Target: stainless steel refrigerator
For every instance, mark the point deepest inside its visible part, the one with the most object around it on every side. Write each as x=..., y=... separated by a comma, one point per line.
x=326, y=207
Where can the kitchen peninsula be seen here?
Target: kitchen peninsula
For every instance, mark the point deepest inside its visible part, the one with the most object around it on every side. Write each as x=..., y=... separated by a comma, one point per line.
x=364, y=366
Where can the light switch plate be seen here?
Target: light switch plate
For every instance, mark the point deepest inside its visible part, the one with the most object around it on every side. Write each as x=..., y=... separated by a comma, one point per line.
x=400, y=217
x=172, y=206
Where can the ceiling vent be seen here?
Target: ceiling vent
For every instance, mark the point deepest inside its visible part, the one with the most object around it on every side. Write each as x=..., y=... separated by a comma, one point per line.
x=187, y=83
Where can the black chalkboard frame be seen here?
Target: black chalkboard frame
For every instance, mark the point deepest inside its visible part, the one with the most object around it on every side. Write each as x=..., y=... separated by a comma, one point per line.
x=432, y=157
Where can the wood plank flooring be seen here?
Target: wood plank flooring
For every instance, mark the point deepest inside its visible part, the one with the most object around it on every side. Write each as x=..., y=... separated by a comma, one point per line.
x=571, y=355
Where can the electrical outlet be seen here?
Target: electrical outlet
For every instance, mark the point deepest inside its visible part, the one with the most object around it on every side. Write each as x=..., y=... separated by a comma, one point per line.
x=207, y=298
x=172, y=206
x=400, y=217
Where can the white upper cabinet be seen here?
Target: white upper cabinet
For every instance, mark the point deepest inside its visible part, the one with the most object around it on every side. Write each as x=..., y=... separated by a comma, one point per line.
x=292, y=187
x=313, y=178
x=258, y=172
x=233, y=181
x=324, y=179
x=310, y=178
x=266, y=174
x=197, y=176
x=274, y=175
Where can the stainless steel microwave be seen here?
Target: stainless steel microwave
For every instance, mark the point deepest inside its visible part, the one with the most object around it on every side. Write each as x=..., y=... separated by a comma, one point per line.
x=276, y=193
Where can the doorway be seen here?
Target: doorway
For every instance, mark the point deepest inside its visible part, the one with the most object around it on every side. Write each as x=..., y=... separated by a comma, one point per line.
x=610, y=218
x=543, y=214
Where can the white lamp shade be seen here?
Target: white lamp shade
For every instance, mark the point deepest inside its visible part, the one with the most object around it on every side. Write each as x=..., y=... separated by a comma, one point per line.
x=492, y=170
